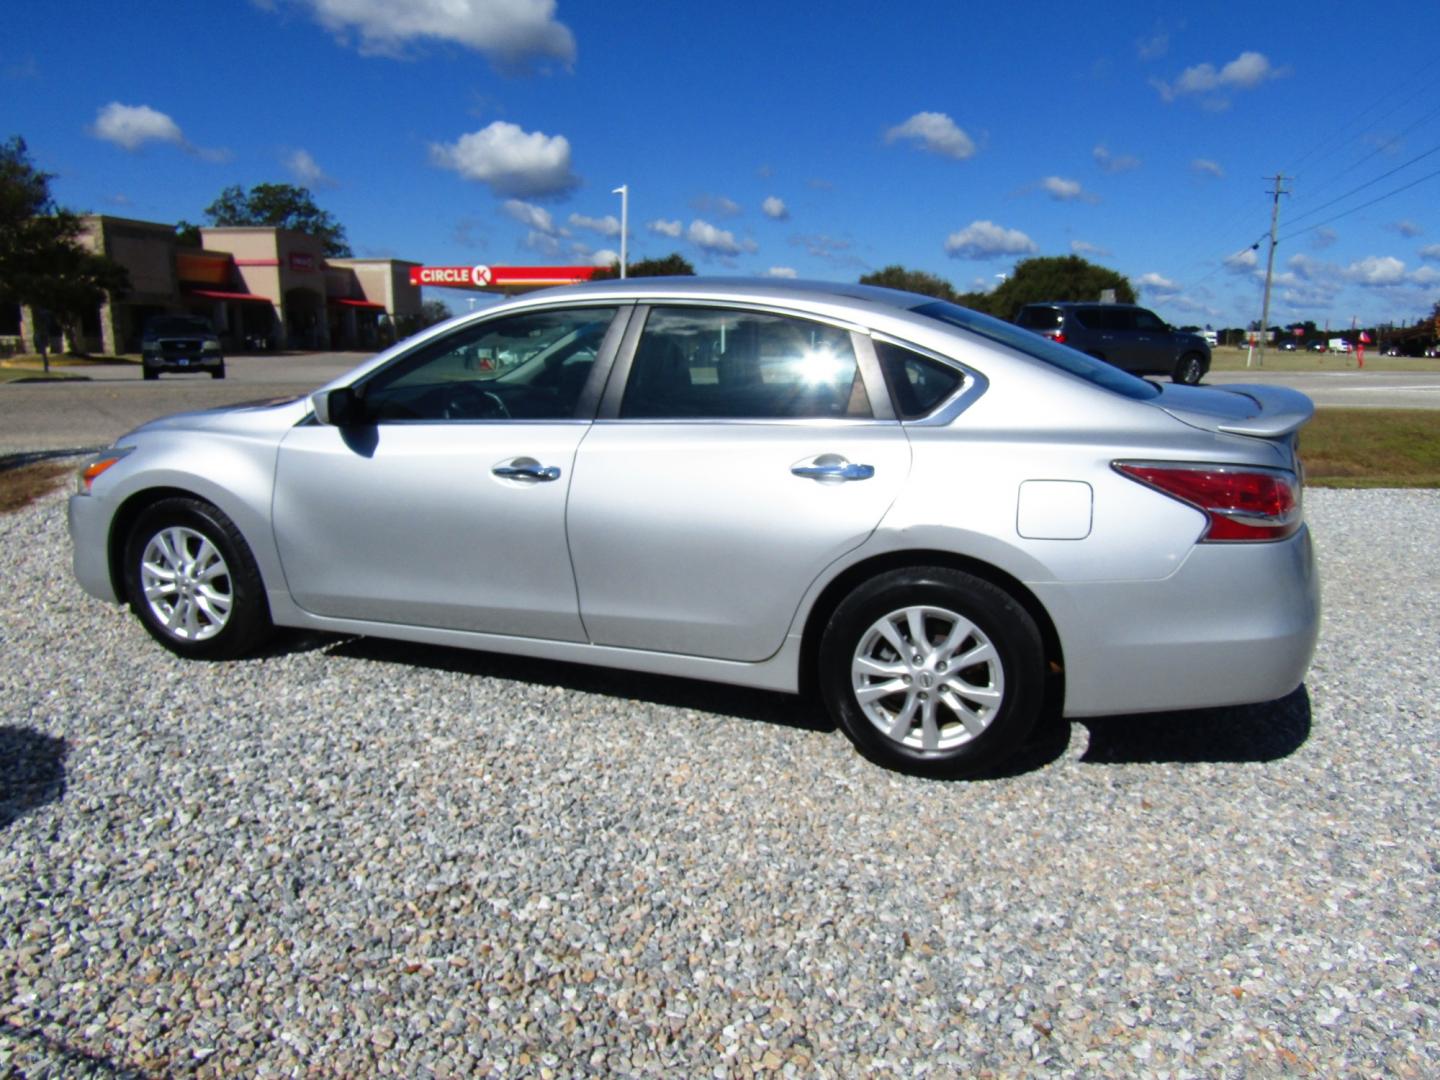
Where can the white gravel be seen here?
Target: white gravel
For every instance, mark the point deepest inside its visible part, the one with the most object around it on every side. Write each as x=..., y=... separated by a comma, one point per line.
x=359, y=858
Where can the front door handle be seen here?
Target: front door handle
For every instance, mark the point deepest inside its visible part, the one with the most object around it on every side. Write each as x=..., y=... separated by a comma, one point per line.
x=522, y=469
x=838, y=470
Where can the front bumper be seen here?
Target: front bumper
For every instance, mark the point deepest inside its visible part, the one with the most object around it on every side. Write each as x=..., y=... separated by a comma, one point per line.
x=1236, y=624
x=206, y=362
x=89, y=519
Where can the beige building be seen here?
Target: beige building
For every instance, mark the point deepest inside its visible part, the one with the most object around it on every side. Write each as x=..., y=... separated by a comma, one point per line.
x=260, y=287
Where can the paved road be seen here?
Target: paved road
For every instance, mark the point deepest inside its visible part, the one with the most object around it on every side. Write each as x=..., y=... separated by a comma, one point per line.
x=47, y=416
x=1349, y=389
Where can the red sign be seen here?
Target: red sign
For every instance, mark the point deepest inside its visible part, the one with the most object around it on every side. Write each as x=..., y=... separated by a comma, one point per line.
x=499, y=277
x=299, y=260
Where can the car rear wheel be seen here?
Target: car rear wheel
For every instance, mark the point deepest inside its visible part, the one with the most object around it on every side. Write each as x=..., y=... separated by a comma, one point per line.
x=933, y=671
x=218, y=373
x=1189, y=369
x=191, y=579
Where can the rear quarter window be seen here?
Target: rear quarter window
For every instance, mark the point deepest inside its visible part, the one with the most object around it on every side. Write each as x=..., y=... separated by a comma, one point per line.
x=917, y=384
x=1038, y=318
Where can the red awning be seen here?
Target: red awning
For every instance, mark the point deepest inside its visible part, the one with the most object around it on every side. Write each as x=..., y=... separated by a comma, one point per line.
x=345, y=302
x=220, y=294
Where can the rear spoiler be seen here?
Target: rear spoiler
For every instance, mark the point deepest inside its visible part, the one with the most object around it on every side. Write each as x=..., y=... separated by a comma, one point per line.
x=1274, y=412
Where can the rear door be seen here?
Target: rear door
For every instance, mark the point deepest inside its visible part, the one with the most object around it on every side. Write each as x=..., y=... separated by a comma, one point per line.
x=744, y=452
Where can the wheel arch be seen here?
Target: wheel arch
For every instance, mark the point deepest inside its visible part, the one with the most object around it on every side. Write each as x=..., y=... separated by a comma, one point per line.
x=849, y=579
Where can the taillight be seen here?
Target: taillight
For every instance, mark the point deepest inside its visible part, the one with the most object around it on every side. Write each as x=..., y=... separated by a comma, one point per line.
x=1240, y=503
x=1057, y=336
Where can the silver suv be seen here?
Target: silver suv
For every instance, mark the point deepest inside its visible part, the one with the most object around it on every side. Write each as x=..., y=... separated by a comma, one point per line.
x=1132, y=338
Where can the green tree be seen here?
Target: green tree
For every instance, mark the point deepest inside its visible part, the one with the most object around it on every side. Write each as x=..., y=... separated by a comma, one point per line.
x=672, y=265
x=280, y=206
x=896, y=276
x=43, y=263
x=1053, y=277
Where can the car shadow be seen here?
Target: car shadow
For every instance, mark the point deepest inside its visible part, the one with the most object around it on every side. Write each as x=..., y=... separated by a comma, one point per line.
x=32, y=771
x=1233, y=734
x=786, y=710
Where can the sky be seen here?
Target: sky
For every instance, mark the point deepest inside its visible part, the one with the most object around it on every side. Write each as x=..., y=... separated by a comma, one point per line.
x=794, y=140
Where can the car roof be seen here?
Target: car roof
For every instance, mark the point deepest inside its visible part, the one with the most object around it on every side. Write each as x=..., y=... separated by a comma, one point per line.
x=1078, y=304
x=740, y=288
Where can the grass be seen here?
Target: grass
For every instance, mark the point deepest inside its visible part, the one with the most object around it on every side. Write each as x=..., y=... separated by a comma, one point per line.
x=1233, y=359
x=1371, y=448
x=17, y=374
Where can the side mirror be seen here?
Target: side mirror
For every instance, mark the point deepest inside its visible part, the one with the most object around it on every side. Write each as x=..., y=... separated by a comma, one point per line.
x=339, y=408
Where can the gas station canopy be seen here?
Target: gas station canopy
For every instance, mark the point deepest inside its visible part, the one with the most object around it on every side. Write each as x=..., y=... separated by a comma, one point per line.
x=506, y=279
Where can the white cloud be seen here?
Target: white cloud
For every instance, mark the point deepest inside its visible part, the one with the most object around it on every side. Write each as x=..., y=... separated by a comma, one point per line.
x=1206, y=167
x=715, y=241
x=1245, y=72
x=1323, y=238
x=1430, y=251
x=604, y=257
x=986, y=240
x=1154, y=283
x=1376, y=271
x=661, y=227
x=936, y=133
x=511, y=160
x=1114, y=163
x=775, y=208
x=836, y=251
x=1154, y=46
x=781, y=272
x=1080, y=247
x=1406, y=228
x=531, y=216
x=513, y=34
x=1063, y=190
x=609, y=225
x=132, y=126
x=307, y=170
x=1242, y=262
x=716, y=204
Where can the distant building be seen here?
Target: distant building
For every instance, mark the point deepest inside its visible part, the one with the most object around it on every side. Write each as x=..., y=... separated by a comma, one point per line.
x=257, y=286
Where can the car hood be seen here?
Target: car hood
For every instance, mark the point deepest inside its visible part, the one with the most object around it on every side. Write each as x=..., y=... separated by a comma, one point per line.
x=245, y=418
x=1266, y=412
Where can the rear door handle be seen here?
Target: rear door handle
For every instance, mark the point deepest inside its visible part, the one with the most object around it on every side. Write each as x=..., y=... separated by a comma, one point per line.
x=846, y=470
x=527, y=470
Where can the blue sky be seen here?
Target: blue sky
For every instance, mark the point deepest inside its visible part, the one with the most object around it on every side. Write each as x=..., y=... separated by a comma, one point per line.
x=818, y=141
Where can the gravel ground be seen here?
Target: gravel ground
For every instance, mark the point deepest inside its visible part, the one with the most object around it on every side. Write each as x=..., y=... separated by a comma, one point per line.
x=357, y=858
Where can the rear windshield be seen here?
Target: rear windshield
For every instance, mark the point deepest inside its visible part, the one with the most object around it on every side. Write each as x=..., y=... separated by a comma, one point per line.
x=1038, y=318
x=1022, y=340
x=178, y=324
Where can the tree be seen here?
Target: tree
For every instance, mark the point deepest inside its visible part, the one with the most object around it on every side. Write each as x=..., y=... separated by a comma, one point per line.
x=1054, y=277
x=280, y=206
x=672, y=265
x=896, y=276
x=43, y=264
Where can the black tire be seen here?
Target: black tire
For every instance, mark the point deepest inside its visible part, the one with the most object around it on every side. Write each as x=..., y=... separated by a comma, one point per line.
x=150, y=376
x=218, y=373
x=218, y=605
x=954, y=603
x=1189, y=369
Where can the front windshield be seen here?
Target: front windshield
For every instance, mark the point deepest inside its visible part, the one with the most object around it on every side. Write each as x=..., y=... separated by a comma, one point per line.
x=1042, y=348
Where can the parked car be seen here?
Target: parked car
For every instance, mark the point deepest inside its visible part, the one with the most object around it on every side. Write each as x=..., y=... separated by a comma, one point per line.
x=180, y=343
x=943, y=525
x=1132, y=338
x=1288, y=346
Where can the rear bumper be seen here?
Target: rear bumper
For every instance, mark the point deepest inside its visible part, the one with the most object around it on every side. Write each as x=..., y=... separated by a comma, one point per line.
x=1235, y=624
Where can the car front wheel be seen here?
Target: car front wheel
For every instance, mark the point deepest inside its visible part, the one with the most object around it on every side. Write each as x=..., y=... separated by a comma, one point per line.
x=933, y=671
x=1189, y=369
x=191, y=579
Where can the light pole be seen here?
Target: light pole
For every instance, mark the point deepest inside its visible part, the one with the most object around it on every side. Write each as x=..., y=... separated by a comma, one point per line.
x=624, y=192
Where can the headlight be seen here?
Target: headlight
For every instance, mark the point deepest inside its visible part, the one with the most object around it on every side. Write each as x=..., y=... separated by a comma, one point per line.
x=210, y=346
x=86, y=477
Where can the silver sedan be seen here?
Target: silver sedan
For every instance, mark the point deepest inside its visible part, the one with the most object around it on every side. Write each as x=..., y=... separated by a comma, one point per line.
x=940, y=524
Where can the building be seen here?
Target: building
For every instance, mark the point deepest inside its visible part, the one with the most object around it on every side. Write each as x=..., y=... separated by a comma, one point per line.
x=260, y=287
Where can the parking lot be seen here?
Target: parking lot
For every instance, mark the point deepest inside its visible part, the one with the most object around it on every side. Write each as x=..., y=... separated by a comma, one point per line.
x=354, y=857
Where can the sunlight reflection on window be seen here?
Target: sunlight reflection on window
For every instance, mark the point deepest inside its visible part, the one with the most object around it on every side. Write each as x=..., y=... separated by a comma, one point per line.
x=819, y=366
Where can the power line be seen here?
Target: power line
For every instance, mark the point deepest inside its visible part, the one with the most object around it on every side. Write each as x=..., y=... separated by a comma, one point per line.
x=1362, y=206
x=1362, y=187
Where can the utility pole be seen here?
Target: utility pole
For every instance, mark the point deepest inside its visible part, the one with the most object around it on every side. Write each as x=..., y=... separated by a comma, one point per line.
x=1270, y=262
x=624, y=192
